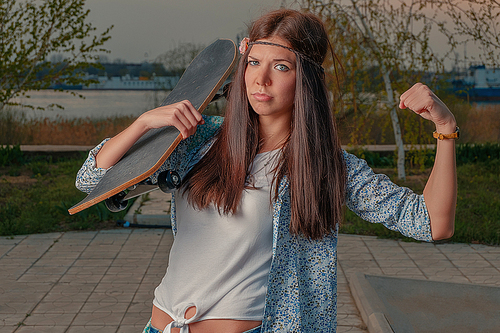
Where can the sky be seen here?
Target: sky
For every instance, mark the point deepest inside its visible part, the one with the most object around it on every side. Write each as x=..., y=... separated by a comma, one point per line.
x=145, y=29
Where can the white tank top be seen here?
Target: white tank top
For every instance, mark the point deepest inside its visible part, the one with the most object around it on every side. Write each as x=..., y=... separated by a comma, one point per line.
x=218, y=263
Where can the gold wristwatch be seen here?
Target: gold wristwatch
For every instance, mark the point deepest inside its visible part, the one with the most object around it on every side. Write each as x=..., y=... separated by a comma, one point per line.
x=441, y=136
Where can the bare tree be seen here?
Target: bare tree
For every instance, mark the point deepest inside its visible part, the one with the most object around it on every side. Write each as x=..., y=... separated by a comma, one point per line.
x=474, y=22
x=392, y=36
x=177, y=59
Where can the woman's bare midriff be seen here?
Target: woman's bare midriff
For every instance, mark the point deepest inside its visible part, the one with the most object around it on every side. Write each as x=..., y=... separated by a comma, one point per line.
x=160, y=320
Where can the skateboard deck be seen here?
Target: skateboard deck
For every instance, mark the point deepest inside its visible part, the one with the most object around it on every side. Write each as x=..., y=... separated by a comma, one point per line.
x=199, y=84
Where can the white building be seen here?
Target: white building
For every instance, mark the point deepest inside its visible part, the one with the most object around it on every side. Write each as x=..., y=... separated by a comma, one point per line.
x=128, y=82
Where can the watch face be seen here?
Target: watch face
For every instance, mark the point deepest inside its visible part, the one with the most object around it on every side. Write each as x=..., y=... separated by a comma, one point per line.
x=458, y=132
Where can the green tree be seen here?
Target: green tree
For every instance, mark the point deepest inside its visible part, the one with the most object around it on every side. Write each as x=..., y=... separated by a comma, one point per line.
x=30, y=32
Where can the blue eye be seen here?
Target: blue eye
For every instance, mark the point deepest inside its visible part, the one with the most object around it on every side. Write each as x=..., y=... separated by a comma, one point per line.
x=282, y=67
x=252, y=62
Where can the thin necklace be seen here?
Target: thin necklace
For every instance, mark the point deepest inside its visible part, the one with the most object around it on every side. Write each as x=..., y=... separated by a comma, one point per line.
x=278, y=144
x=250, y=180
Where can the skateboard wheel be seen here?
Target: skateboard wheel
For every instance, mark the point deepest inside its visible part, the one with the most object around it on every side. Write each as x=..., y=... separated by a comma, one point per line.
x=116, y=202
x=168, y=181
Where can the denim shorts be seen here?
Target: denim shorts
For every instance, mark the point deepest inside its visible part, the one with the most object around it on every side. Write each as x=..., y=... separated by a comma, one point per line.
x=151, y=329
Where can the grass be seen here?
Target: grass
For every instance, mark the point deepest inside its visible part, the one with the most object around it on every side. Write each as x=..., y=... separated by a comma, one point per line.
x=35, y=196
x=478, y=207
x=478, y=124
x=36, y=191
x=19, y=130
x=81, y=131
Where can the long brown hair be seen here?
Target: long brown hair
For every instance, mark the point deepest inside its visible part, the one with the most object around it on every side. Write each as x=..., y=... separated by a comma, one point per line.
x=312, y=159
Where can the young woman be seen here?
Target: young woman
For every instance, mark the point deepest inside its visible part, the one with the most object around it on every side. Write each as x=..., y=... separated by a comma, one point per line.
x=256, y=219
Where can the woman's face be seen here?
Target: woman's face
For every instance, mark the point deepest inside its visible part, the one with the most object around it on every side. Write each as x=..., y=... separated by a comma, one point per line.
x=270, y=78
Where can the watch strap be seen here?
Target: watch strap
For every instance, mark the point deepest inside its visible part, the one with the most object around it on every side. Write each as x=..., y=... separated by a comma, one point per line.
x=441, y=136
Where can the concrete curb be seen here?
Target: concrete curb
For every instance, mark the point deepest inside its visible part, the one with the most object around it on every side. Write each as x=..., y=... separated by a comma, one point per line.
x=54, y=148
x=418, y=305
x=370, y=306
x=141, y=213
x=131, y=213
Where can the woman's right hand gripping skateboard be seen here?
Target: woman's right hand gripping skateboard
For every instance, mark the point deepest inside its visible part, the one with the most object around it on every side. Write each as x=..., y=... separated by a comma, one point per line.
x=181, y=115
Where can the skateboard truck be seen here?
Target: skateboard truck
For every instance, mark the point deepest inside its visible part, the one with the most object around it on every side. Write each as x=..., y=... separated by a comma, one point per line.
x=169, y=180
x=116, y=203
x=119, y=201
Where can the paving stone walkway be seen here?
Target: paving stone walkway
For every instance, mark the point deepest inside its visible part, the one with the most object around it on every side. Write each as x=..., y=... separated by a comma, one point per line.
x=104, y=281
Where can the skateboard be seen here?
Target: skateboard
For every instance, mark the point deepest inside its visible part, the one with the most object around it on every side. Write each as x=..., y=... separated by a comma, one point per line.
x=199, y=84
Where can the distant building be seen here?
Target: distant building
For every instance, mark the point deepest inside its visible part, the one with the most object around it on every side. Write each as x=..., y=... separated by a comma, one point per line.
x=126, y=76
x=128, y=82
x=479, y=84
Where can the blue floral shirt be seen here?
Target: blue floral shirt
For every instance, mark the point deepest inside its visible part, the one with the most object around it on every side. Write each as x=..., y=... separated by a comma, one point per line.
x=302, y=289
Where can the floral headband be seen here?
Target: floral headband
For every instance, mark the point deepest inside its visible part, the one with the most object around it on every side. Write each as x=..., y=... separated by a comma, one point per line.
x=245, y=43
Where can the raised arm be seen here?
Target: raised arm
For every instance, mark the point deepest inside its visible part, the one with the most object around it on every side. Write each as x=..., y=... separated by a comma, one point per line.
x=182, y=115
x=440, y=192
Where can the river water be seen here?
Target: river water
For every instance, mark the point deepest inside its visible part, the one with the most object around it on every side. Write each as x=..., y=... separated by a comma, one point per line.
x=97, y=104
